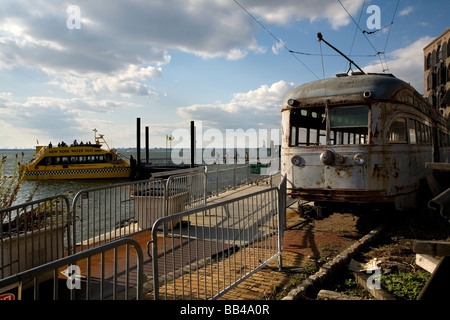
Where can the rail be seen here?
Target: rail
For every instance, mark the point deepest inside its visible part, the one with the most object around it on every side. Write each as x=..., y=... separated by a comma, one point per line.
x=82, y=282
x=203, y=252
x=34, y=233
x=442, y=204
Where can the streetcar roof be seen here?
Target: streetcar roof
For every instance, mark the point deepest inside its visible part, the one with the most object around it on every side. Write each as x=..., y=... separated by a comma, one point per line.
x=381, y=86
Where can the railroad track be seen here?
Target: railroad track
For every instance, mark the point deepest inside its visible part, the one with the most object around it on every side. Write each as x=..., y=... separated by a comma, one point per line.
x=391, y=233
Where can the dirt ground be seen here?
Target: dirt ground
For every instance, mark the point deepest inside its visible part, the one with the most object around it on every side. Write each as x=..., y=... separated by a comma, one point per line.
x=320, y=240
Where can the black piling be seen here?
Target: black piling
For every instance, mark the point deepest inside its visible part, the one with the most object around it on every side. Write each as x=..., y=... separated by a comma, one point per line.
x=147, y=145
x=192, y=144
x=138, y=141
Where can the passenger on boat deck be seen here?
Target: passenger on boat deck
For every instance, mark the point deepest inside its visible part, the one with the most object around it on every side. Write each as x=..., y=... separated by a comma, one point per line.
x=50, y=145
x=75, y=143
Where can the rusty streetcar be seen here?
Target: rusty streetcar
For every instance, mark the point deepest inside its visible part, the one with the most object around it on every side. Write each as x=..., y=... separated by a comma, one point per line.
x=359, y=139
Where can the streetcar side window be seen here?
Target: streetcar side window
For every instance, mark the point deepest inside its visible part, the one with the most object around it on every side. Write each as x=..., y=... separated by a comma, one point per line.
x=412, y=131
x=397, y=131
x=418, y=132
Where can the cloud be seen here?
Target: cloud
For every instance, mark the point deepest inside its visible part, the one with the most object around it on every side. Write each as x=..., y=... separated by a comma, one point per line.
x=277, y=46
x=260, y=107
x=406, y=11
x=51, y=118
x=281, y=12
x=118, y=34
x=120, y=45
x=406, y=63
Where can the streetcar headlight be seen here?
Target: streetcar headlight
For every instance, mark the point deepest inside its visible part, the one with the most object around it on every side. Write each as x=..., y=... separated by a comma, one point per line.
x=358, y=159
x=296, y=160
x=327, y=157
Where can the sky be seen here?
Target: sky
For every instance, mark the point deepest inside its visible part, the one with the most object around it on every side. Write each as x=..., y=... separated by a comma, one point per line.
x=68, y=67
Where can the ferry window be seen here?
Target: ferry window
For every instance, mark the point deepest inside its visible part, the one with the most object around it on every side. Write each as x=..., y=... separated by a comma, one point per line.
x=65, y=160
x=349, y=125
x=73, y=159
x=412, y=131
x=397, y=131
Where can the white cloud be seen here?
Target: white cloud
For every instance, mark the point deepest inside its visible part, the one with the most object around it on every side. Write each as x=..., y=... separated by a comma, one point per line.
x=406, y=11
x=406, y=63
x=276, y=47
x=281, y=12
x=260, y=108
x=116, y=40
x=50, y=118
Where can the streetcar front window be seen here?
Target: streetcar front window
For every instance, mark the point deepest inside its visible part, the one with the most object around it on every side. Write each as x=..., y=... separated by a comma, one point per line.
x=308, y=127
x=349, y=125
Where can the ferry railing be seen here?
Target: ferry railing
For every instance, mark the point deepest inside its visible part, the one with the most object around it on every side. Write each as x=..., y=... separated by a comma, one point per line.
x=83, y=281
x=34, y=233
x=204, y=252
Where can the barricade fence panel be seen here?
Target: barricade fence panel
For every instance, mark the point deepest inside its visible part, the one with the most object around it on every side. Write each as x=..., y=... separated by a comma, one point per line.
x=204, y=252
x=83, y=276
x=34, y=233
x=191, y=187
x=106, y=213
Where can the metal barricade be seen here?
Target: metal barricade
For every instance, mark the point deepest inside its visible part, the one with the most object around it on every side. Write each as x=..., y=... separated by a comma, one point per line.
x=204, y=252
x=190, y=186
x=85, y=276
x=104, y=214
x=34, y=233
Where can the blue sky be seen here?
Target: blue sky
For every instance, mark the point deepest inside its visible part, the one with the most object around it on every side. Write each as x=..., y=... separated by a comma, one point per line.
x=173, y=61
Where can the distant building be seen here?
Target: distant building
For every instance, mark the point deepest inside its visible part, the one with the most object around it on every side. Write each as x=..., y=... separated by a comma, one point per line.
x=437, y=72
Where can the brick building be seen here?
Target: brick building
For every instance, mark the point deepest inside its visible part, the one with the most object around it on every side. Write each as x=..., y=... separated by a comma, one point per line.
x=437, y=72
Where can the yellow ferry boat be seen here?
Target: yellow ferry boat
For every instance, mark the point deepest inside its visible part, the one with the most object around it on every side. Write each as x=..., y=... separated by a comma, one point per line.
x=77, y=161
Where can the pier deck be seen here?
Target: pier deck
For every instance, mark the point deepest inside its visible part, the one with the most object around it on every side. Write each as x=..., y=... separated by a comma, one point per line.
x=104, y=267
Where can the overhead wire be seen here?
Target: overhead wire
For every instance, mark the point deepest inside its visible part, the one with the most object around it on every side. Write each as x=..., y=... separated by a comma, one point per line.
x=276, y=38
x=357, y=25
x=389, y=32
x=332, y=54
x=356, y=29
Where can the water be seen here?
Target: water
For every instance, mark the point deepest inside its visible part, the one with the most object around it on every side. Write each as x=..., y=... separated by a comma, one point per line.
x=47, y=188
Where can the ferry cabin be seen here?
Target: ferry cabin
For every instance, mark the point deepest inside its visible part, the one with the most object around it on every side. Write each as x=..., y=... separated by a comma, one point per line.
x=76, y=162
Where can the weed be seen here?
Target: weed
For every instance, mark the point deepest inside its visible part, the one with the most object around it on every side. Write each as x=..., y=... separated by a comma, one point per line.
x=405, y=285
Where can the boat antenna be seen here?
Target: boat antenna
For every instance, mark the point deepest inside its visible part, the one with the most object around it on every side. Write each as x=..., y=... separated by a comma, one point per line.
x=319, y=35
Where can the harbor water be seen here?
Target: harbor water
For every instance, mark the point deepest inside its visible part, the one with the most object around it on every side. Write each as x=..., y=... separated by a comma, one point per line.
x=46, y=188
